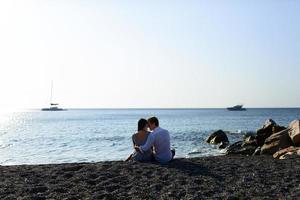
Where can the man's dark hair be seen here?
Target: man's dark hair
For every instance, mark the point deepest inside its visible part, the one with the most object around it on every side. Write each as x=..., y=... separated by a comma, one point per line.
x=153, y=120
x=141, y=124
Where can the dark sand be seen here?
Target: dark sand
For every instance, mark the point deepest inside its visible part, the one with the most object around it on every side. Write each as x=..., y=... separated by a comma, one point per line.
x=225, y=177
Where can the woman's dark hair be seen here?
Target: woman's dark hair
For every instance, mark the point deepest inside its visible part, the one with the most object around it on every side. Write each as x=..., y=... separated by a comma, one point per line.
x=153, y=120
x=141, y=124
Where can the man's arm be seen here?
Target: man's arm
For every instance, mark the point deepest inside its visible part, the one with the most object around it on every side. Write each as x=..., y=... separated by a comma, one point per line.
x=149, y=143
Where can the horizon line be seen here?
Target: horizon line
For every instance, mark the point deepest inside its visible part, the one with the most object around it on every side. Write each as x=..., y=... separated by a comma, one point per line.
x=165, y=108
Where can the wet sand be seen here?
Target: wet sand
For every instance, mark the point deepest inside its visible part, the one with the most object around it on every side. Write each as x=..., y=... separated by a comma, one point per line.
x=222, y=177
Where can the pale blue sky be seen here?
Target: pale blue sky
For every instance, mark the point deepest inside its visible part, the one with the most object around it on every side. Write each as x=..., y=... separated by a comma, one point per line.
x=150, y=53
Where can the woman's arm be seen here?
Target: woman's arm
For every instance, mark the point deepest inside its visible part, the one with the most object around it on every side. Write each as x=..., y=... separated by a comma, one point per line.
x=130, y=156
x=133, y=140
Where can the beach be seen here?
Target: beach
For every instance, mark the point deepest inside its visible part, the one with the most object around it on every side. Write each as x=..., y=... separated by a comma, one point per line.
x=219, y=177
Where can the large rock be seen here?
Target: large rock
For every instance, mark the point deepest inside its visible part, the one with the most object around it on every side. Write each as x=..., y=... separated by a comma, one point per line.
x=290, y=149
x=294, y=131
x=270, y=127
x=278, y=128
x=240, y=148
x=290, y=155
x=217, y=138
x=276, y=142
x=265, y=131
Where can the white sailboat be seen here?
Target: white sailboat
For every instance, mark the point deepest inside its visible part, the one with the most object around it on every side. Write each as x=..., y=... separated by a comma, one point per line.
x=53, y=106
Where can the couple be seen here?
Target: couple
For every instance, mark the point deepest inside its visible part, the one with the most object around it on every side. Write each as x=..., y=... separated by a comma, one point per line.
x=150, y=146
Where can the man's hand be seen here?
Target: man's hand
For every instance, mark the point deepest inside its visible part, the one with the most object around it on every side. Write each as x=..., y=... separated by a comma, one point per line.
x=137, y=148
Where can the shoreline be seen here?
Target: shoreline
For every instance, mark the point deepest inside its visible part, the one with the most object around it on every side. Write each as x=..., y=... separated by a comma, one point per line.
x=225, y=177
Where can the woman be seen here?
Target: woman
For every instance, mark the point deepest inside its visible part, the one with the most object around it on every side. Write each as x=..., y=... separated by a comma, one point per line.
x=140, y=139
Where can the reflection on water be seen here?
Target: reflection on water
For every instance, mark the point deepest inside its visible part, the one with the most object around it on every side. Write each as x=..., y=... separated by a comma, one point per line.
x=4, y=119
x=36, y=137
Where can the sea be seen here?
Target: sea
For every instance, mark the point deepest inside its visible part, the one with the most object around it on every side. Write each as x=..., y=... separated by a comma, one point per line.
x=93, y=135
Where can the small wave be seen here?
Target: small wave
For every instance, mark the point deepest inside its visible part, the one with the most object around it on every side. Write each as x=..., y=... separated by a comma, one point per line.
x=223, y=151
x=63, y=145
x=194, y=153
x=114, y=138
x=8, y=162
x=3, y=146
x=197, y=151
x=3, y=133
x=113, y=144
x=239, y=132
x=83, y=160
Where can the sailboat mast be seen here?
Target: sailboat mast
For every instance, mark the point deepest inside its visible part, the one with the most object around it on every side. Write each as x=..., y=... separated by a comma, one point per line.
x=53, y=106
x=51, y=95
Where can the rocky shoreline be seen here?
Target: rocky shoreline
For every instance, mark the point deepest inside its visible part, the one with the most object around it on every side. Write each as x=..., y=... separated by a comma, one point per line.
x=271, y=139
x=221, y=177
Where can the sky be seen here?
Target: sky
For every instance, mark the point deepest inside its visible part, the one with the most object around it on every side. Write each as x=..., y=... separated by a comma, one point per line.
x=149, y=54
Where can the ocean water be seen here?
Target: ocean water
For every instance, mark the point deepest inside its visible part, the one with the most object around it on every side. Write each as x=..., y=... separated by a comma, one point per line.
x=91, y=135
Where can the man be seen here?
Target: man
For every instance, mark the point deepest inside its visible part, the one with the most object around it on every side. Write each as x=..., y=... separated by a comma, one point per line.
x=160, y=140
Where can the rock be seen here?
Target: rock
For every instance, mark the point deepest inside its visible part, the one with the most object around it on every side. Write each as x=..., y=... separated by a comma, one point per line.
x=289, y=155
x=240, y=148
x=231, y=149
x=270, y=127
x=217, y=137
x=265, y=131
x=257, y=151
x=250, y=142
x=276, y=142
x=223, y=145
x=249, y=138
x=281, y=152
x=278, y=128
x=294, y=131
